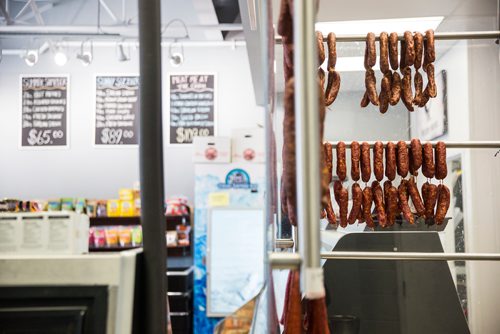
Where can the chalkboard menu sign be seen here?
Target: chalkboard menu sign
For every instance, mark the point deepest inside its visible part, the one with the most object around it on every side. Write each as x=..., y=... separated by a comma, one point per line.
x=44, y=111
x=117, y=110
x=192, y=107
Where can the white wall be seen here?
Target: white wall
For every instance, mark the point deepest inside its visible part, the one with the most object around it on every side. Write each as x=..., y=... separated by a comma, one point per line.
x=85, y=171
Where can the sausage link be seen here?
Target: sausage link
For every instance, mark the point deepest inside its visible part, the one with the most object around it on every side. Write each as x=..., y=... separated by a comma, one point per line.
x=366, y=169
x=378, y=199
x=365, y=100
x=321, y=77
x=343, y=206
x=372, y=51
x=355, y=157
x=371, y=86
x=337, y=186
x=390, y=161
x=429, y=192
x=402, y=56
x=430, y=89
x=384, y=52
x=387, y=185
x=403, y=202
x=332, y=87
x=322, y=214
x=429, y=50
x=395, y=89
x=367, y=206
x=393, y=50
x=443, y=203
x=407, y=94
x=378, y=160
x=321, y=48
x=357, y=197
x=391, y=204
x=428, y=168
x=410, y=49
x=418, y=40
x=415, y=156
x=402, y=159
x=289, y=165
x=440, y=160
x=341, y=161
x=385, y=92
x=415, y=197
x=330, y=214
x=419, y=86
x=328, y=151
x=332, y=51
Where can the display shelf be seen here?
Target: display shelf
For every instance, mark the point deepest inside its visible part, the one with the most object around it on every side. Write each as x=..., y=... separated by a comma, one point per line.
x=112, y=221
x=136, y=220
x=112, y=249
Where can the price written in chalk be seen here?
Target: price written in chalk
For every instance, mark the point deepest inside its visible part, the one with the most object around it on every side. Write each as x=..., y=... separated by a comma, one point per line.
x=43, y=137
x=187, y=134
x=115, y=136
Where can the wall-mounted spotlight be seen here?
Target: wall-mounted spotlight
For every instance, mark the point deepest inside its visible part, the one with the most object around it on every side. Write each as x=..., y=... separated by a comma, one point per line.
x=60, y=57
x=86, y=56
x=176, y=57
x=30, y=57
x=120, y=52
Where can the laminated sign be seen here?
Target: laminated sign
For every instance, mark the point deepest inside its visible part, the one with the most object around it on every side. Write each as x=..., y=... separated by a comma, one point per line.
x=44, y=113
x=192, y=107
x=116, y=110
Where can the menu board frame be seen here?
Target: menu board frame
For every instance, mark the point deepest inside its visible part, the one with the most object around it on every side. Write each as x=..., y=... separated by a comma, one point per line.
x=167, y=103
x=94, y=105
x=68, y=112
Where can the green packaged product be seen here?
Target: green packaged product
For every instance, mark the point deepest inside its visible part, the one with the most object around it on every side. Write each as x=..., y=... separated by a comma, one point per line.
x=80, y=205
x=67, y=204
x=54, y=205
x=137, y=236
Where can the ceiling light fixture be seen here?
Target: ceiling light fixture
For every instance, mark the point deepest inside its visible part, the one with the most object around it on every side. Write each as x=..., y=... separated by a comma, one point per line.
x=176, y=57
x=122, y=56
x=86, y=56
x=361, y=27
x=31, y=57
x=60, y=58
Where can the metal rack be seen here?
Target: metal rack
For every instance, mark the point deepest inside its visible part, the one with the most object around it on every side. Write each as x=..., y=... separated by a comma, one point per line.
x=306, y=110
x=495, y=34
x=449, y=144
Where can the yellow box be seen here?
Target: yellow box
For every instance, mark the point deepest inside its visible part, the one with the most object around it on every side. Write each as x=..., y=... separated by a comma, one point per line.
x=126, y=194
x=127, y=208
x=113, y=207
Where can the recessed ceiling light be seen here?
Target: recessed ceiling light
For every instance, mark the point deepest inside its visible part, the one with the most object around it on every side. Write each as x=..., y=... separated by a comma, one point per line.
x=362, y=27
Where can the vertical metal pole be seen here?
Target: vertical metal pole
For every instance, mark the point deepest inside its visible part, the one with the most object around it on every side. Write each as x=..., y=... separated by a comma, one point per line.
x=269, y=214
x=307, y=142
x=151, y=169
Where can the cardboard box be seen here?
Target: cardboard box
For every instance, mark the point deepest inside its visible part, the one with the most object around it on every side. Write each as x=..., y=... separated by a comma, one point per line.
x=212, y=150
x=113, y=207
x=248, y=145
x=127, y=208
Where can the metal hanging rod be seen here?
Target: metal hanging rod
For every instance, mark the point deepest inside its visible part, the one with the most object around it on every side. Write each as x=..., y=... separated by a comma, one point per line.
x=417, y=256
x=494, y=34
x=284, y=260
x=284, y=243
x=449, y=144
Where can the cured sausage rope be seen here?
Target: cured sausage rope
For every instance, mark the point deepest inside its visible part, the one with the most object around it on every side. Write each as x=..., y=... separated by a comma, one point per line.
x=370, y=80
x=333, y=85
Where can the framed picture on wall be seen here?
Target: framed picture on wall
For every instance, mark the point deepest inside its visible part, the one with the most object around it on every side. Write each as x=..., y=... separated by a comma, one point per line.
x=431, y=122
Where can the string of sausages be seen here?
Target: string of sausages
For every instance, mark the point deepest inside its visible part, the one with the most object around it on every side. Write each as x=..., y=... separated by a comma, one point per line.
x=311, y=319
x=389, y=203
x=417, y=51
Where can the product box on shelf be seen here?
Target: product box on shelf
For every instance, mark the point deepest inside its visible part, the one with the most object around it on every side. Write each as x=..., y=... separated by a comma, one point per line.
x=248, y=145
x=212, y=149
x=60, y=232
